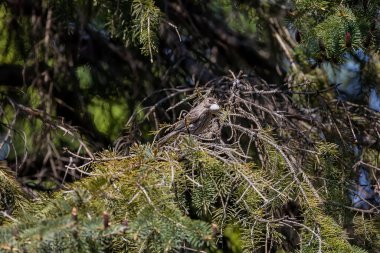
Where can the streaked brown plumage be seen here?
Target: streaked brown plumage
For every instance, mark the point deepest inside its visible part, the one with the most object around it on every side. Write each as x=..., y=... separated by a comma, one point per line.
x=196, y=121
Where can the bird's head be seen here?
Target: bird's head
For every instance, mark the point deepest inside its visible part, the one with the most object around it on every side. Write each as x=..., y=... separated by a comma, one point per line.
x=211, y=104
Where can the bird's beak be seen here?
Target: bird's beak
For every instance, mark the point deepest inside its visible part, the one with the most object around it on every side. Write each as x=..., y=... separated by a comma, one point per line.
x=214, y=107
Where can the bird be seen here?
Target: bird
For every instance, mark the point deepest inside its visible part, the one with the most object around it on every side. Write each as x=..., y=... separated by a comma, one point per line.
x=196, y=121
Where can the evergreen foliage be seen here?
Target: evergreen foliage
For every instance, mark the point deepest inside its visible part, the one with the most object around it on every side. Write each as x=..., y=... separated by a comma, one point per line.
x=188, y=193
x=276, y=171
x=151, y=194
x=12, y=199
x=330, y=22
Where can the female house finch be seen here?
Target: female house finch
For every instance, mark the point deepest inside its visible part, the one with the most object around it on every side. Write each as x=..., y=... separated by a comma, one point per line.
x=196, y=121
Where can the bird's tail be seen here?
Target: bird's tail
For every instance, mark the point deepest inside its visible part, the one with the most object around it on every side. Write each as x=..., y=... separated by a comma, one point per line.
x=166, y=138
